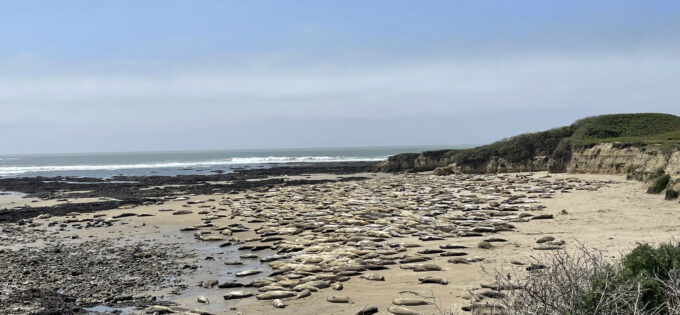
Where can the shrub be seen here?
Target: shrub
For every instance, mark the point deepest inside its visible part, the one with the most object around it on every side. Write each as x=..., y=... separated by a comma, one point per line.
x=671, y=194
x=659, y=184
x=646, y=281
x=648, y=267
x=657, y=173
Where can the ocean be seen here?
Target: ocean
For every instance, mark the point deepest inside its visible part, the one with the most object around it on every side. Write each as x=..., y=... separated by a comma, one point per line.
x=106, y=165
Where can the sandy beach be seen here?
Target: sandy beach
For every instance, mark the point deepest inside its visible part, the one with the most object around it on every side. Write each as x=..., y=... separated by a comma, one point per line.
x=347, y=244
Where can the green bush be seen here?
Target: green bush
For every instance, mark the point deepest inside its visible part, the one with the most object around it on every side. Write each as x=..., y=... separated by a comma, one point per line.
x=659, y=184
x=671, y=194
x=645, y=267
x=658, y=173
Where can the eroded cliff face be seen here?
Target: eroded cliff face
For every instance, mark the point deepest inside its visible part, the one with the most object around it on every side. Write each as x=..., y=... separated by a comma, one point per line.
x=612, y=158
x=496, y=165
x=604, y=158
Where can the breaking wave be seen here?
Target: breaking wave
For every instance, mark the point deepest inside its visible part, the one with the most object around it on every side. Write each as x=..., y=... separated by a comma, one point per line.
x=14, y=170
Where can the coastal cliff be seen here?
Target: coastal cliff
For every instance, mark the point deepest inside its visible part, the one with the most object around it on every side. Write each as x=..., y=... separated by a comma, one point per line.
x=639, y=145
x=614, y=158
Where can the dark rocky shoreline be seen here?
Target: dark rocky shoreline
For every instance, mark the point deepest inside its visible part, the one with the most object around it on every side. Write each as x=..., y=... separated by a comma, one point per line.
x=133, y=190
x=67, y=278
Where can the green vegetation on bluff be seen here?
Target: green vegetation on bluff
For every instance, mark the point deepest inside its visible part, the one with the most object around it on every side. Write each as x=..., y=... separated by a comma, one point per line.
x=628, y=128
x=558, y=143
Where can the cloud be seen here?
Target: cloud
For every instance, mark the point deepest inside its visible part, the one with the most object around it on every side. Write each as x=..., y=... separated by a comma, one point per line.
x=260, y=98
x=433, y=85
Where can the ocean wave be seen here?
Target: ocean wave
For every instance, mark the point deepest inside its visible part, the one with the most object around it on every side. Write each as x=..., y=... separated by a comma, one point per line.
x=14, y=170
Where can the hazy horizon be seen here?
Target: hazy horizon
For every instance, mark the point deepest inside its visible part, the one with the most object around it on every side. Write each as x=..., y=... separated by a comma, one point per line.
x=425, y=146
x=129, y=76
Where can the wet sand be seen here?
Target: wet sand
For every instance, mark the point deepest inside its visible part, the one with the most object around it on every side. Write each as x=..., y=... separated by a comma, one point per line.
x=329, y=227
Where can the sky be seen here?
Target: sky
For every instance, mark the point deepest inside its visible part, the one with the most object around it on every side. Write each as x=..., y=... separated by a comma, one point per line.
x=104, y=76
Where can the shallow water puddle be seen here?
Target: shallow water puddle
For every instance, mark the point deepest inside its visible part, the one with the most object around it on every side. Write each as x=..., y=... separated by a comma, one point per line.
x=103, y=309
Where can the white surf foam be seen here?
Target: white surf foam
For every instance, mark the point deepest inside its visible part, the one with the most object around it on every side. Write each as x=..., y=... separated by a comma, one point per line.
x=14, y=170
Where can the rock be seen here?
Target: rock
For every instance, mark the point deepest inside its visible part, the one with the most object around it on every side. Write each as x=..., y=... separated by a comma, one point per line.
x=209, y=283
x=202, y=299
x=337, y=286
x=542, y=217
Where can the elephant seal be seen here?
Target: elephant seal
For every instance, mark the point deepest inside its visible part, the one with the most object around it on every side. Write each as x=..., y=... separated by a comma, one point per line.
x=430, y=279
x=247, y=273
x=278, y=294
x=278, y=303
x=367, y=310
x=373, y=276
x=410, y=302
x=338, y=299
x=398, y=310
x=237, y=295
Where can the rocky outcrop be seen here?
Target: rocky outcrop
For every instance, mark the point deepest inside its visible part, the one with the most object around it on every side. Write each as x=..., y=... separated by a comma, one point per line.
x=417, y=162
x=399, y=162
